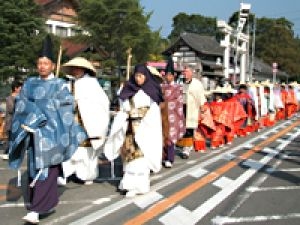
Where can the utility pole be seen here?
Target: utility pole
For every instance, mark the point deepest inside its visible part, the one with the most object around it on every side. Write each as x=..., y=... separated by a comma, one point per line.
x=253, y=50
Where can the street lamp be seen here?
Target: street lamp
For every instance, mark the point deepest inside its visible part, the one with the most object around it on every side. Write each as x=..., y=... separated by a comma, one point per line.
x=274, y=70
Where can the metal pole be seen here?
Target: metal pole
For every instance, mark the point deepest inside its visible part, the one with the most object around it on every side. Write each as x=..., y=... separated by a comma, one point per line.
x=235, y=63
x=253, y=49
x=274, y=77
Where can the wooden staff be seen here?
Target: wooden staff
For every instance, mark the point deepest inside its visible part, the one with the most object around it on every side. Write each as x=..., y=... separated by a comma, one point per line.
x=58, y=61
x=129, y=56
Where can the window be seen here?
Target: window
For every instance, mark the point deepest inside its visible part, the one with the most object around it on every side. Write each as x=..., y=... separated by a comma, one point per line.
x=61, y=31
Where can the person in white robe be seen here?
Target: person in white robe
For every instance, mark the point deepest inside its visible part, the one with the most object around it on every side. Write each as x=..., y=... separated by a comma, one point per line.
x=193, y=102
x=136, y=132
x=93, y=114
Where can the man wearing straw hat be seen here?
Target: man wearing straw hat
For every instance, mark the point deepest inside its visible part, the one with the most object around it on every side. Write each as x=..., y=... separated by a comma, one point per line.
x=42, y=125
x=92, y=112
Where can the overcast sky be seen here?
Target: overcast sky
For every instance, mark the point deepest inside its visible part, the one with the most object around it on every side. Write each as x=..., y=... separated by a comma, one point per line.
x=165, y=10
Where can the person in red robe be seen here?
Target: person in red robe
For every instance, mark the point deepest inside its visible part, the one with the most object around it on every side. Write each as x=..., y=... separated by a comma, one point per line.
x=291, y=102
x=237, y=113
x=205, y=128
x=222, y=119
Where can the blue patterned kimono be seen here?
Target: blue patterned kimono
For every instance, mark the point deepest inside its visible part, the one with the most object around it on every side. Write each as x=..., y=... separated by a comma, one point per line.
x=47, y=107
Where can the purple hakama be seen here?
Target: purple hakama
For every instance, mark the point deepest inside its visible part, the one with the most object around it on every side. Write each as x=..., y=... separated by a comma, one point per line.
x=44, y=195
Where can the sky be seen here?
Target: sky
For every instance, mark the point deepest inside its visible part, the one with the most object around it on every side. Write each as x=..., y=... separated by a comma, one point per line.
x=165, y=10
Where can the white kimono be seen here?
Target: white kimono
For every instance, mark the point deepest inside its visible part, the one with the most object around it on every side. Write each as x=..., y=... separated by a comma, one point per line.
x=93, y=105
x=263, y=102
x=278, y=104
x=148, y=137
x=194, y=94
x=253, y=93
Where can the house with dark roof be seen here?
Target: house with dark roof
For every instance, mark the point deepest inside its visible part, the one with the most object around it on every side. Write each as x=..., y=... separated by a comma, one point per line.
x=263, y=71
x=206, y=54
x=203, y=52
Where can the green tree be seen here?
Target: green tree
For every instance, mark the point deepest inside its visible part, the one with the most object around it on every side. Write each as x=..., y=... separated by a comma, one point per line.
x=275, y=42
x=20, y=25
x=115, y=26
x=194, y=24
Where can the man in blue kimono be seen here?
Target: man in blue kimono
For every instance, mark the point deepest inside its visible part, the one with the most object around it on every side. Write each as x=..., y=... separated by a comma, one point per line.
x=43, y=126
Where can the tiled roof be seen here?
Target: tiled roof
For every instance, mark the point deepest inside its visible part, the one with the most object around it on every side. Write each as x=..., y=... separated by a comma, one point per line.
x=71, y=49
x=261, y=67
x=199, y=43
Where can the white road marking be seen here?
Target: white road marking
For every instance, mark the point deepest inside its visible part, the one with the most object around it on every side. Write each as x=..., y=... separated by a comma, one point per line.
x=289, y=170
x=282, y=141
x=220, y=220
x=229, y=157
x=101, y=201
x=258, y=182
x=270, y=151
x=191, y=162
x=178, y=216
x=263, y=137
x=124, y=202
x=197, y=173
x=15, y=205
x=215, y=200
x=278, y=188
x=92, y=217
x=291, y=157
x=7, y=168
x=222, y=182
x=147, y=199
x=94, y=202
x=252, y=164
x=247, y=146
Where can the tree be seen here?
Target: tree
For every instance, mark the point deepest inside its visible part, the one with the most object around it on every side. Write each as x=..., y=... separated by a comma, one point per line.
x=20, y=25
x=115, y=26
x=275, y=43
x=194, y=24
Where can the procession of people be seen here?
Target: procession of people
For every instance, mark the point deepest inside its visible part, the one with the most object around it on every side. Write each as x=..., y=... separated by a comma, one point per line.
x=64, y=125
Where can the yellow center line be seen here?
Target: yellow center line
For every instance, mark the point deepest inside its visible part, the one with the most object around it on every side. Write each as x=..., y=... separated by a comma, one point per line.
x=168, y=202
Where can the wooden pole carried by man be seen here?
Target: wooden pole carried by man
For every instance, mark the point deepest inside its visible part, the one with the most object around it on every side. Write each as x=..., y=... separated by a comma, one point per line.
x=129, y=56
x=58, y=61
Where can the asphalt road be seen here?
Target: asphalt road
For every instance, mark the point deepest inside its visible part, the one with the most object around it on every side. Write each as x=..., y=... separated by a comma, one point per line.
x=254, y=181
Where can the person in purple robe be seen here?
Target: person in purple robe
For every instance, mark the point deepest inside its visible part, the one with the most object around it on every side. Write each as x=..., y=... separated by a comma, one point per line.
x=173, y=96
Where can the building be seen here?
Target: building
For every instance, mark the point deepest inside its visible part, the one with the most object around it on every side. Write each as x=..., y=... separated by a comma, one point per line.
x=60, y=16
x=203, y=52
x=206, y=54
x=61, y=20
